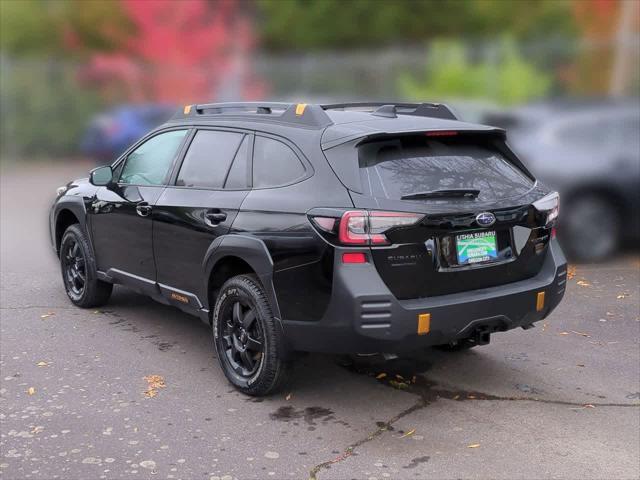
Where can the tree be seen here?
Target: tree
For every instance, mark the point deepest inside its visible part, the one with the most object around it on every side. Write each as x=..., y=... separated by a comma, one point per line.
x=449, y=74
x=42, y=28
x=179, y=51
x=339, y=24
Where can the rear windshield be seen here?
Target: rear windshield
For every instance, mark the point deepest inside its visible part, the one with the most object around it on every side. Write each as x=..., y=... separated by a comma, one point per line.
x=391, y=168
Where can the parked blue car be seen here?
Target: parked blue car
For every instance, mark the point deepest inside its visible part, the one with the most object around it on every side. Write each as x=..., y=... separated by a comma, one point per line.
x=111, y=132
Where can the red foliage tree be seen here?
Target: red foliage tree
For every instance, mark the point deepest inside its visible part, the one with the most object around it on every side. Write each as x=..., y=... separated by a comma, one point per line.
x=191, y=50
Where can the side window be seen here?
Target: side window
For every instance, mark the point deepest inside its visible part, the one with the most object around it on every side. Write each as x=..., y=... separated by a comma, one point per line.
x=208, y=159
x=274, y=163
x=239, y=174
x=150, y=162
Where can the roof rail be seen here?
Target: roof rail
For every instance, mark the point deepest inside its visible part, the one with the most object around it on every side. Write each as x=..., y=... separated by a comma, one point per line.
x=294, y=113
x=434, y=110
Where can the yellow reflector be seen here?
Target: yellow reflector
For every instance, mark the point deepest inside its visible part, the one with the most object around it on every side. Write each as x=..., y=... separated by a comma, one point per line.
x=187, y=109
x=540, y=301
x=300, y=108
x=424, y=323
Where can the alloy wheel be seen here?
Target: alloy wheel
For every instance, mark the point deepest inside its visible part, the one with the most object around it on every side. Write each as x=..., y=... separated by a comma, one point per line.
x=242, y=338
x=75, y=273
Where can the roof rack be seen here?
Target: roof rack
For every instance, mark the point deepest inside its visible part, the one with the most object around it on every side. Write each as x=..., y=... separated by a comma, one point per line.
x=313, y=116
x=434, y=110
x=294, y=113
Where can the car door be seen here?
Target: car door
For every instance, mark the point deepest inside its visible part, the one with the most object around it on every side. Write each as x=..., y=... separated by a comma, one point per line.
x=120, y=214
x=198, y=206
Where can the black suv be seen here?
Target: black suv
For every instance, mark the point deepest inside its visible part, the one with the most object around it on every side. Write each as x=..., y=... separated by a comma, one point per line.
x=348, y=228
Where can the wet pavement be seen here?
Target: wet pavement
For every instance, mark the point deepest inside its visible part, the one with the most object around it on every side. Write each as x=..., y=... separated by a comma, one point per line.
x=78, y=398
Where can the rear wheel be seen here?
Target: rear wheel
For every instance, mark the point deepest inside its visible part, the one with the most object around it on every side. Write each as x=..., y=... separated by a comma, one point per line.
x=591, y=229
x=79, y=272
x=247, y=338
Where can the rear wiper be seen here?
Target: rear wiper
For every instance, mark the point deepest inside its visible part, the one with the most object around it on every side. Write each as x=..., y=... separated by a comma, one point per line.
x=451, y=192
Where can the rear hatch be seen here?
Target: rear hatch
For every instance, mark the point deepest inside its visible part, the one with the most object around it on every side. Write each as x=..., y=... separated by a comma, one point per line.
x=476, y=226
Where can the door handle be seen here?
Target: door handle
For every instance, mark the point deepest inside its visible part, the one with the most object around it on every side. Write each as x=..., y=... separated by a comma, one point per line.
x=143, y=209
x=214, y=218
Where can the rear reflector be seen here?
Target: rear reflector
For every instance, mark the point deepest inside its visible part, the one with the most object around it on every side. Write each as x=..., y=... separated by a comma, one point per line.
x=424, y=323
x=539, y=301
x=354, y=257
x=553, y=232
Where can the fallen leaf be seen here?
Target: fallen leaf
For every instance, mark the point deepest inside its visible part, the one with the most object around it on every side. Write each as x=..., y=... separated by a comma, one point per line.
x=582, y=283
x=563, y=333
x=588, y=405
x=398, y=385
x=47, y=315
x=399, y=377
x=471, y=396
x=42, y=364
x=571, y=272
x=380, y=376
x=544, y=327
x=37, y=429
x=609, y=314
x=31, y=391
x=623, y=295
x=473, y=445
x=582, y=334
x=154, y=383
x=288, y=397
x=410, y=432
x=456, y=397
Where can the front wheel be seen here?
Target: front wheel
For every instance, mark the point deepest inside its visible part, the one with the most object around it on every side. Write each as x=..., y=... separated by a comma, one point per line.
x=79, y=272
x=247, y=338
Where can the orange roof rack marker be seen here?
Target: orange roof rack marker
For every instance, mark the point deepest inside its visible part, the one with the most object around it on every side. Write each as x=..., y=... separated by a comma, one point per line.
x=300, y=108
x=187, y=109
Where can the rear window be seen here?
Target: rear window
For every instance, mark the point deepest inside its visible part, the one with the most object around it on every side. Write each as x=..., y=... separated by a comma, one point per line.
x=405, y=165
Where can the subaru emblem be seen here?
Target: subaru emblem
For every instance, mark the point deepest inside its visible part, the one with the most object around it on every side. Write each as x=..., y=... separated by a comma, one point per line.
x=485, y=219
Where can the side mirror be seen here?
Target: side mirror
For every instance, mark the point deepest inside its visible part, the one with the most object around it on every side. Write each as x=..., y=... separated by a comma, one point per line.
x=101, y=176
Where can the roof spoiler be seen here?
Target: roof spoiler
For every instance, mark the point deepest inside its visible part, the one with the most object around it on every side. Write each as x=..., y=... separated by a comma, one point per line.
x=393, y=109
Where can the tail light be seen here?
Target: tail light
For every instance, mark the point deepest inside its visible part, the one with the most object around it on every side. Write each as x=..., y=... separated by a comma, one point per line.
x=549, y=205
x=360, y=227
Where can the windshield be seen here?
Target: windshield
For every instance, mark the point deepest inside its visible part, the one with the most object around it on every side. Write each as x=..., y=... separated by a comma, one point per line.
x=402, y=166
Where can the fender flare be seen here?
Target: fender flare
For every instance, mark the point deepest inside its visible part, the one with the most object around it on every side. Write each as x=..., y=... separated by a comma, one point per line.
x=250, y=249
x=76, y=206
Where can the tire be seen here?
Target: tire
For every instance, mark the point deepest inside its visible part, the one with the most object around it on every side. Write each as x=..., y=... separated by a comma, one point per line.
x=79, y=274
x=247, y=338
x=457, y=346
x=590, y=230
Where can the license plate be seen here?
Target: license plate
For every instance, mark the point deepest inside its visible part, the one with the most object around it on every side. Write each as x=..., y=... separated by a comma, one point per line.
x=476, y=247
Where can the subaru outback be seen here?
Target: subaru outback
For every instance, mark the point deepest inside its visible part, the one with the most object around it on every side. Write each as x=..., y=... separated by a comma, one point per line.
x=346, y=228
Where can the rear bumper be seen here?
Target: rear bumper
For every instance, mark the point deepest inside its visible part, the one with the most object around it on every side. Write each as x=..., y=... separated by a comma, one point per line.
x=364, y=317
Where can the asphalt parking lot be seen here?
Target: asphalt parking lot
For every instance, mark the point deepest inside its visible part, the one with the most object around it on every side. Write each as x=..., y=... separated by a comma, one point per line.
x=78, y=398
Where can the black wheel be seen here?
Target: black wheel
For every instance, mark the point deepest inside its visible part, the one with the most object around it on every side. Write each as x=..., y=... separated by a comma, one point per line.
x=247, y=339
x=457, y=345
x=79, y=270
x=590, y=229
